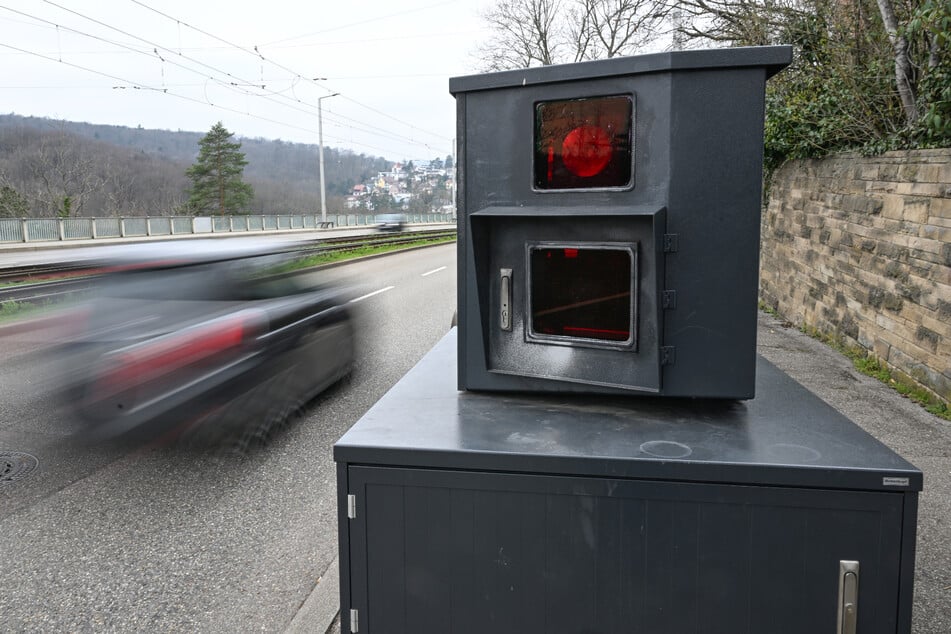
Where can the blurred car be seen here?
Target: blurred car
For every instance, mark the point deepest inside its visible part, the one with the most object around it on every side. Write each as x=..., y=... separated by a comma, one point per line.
x=206, y=340
x=391, y=222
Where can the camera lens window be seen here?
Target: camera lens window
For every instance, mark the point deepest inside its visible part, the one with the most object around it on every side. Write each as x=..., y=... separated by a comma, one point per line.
x=582, y=293
x=584, y=143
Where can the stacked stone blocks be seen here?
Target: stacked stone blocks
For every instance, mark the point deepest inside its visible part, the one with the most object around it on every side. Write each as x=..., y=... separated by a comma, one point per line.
x=860, y=247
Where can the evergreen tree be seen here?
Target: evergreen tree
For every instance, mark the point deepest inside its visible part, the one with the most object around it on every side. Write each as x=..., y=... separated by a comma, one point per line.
x=217, y=175
x=12, y=203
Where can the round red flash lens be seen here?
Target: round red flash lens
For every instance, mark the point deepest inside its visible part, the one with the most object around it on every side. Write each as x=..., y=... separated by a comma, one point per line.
x=586, y=150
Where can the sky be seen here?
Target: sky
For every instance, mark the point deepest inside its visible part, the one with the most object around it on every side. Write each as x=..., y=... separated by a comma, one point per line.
x=260, y=68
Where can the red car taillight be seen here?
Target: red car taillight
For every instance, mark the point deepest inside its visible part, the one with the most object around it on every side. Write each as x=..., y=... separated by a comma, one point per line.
x=203, y=346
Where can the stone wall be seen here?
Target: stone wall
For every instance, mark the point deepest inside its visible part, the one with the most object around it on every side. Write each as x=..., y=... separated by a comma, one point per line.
x=861, y=247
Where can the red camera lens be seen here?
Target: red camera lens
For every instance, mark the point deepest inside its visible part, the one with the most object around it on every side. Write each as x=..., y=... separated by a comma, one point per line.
x=586, y=151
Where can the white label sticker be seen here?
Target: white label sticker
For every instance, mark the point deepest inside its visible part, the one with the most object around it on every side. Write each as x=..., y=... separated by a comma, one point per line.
x=895, y=482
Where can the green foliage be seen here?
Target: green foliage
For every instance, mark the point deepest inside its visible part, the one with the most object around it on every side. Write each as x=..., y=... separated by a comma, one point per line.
x=840, y=92
x=66, y=207
x=423, y=201
x=364, y=251
x=930, y=28
x=381, y=202
x=10, y=310
x=12, y=203
x=217, y=185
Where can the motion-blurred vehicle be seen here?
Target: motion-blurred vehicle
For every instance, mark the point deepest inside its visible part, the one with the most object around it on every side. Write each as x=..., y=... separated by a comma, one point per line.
x=207, y=340
x=391, y=222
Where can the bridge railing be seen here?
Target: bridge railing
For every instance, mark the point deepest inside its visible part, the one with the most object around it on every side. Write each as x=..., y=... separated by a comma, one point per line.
x=65, y=229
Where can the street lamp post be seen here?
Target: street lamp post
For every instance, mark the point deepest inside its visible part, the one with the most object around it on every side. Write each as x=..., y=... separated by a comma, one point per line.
x=320, y=141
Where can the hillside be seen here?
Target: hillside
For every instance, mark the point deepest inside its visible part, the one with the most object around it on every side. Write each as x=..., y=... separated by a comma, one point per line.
x=115, y=170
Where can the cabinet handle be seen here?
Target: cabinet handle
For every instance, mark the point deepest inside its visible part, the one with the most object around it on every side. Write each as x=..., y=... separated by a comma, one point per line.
x=848, y=597
x=505, y=299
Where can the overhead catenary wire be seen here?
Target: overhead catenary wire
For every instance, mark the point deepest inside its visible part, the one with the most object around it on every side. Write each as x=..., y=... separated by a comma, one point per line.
x=140, y=86
x=155, y=47
x=248, y=87
x=255, y=51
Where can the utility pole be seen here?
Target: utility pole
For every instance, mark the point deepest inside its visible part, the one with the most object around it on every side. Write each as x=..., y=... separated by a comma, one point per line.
x=320, y=141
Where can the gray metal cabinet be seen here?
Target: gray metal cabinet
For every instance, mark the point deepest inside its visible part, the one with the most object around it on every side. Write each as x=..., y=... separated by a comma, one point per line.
x=473, y=513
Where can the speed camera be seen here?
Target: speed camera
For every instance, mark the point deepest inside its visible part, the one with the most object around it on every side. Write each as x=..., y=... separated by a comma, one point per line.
x=609, y=217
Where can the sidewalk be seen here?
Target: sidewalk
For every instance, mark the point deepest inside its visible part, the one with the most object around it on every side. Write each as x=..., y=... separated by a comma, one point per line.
x=919, y=437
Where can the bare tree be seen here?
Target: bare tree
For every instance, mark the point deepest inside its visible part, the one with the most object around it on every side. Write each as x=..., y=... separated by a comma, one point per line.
x=739, y=22
x=620, y=27
x=64, y=175
x=120, y=194
x=904, y=75
x=529, y=33
x=524, y=34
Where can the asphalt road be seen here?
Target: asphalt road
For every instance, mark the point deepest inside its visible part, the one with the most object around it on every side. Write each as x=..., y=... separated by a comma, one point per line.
x=160, y=539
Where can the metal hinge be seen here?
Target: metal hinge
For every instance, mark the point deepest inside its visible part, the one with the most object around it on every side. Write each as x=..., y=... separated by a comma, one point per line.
x=667, y=355
x=354, y=621
x=669, y=299
x=352, y=507
x=671, y=242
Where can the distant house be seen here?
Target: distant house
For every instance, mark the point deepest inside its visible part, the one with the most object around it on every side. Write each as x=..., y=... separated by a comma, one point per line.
x=359, y=190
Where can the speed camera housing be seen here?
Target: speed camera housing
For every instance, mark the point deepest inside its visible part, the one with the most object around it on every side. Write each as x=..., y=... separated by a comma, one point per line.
x=609, y=219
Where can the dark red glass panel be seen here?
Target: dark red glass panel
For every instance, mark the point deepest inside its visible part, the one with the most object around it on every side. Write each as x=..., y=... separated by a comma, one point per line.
x=582, y=292
x=584, y=143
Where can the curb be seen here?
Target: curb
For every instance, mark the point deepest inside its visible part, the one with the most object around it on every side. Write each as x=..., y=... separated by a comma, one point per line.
x=320, y=609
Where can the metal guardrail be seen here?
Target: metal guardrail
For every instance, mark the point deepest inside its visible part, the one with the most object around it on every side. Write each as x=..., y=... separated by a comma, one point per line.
x=39, y=283
x=65, y=229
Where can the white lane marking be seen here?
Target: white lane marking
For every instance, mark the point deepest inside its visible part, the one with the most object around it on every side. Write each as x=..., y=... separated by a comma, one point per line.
x=362, y=297
x=441, y=268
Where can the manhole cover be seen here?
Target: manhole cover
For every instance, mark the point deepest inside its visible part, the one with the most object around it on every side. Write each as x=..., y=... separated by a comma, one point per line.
x=15, y=465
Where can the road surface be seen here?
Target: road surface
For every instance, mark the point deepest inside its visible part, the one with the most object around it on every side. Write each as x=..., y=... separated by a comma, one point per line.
x=161, y=539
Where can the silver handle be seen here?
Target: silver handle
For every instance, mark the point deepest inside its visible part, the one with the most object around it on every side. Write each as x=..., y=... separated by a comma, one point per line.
x=848, y=597
x=505, y=299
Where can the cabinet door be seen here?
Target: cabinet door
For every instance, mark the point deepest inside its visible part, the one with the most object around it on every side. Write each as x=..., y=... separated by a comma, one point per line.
x=465, y=552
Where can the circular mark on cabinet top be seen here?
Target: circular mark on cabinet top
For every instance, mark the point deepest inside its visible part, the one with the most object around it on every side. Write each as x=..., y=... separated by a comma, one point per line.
x=666, y=449
x=792, y=453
